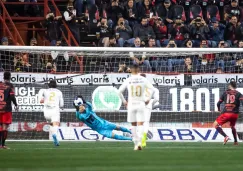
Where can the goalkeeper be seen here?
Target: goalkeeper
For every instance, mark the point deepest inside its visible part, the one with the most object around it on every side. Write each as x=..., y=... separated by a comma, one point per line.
x=85, y=113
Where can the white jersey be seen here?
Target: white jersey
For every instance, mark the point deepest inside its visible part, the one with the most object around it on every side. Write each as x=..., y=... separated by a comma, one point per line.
x=137, y=87
x=153, y=94
x=53, y=98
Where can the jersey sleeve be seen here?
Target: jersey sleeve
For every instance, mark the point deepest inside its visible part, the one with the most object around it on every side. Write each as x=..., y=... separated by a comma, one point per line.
x=156, y=94
x=41, y=94
x=222, y=97
x=121, y=90
x=89, y=106
x=61, y=101
x=149, y=86
x=12, y=95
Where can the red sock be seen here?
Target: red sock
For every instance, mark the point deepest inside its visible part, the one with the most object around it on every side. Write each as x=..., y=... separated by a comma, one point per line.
x=234, y=134
x=4, y=137
x=220, y=130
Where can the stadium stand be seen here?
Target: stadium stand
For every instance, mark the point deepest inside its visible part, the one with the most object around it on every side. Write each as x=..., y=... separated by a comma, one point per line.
x=122, y=23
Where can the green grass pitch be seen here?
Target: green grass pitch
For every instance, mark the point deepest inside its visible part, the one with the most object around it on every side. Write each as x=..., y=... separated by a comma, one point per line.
x=119, y=156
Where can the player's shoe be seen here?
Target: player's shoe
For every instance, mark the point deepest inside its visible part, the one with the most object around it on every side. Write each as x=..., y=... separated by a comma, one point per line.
x=144, y=140
x=236, y=143
x=226, y=139
x=5, y=147
x=56, y=142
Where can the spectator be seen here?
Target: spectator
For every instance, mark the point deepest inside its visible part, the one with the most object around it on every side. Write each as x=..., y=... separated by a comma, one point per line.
x=160, y=30
x=187, y=67
x=207, y=63
x=143, y=61
x=164, y=11
x=219, y=71
x=123, y=68
x=198, y=31
x=230, y=31
x=124, y=33
x=70, y=17
x=60, y=60
x=145, y=10
x=131, y=13
x=236, y=62
x=53, y=25
x=239, y=32
x=79, y=5
x=6, y=57
x=144, y=31
x=34, y=59
x=216, y=33
x=157, y=64
x=174, y=61
x=188, y=43
x=112, y=41
x=179, y=32
x=105, y=32
x=114, y=11
x=31, y=9
x=233, y=10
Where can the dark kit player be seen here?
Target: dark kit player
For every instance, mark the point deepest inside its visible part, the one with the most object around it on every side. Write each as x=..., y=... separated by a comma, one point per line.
x=6, y=98
x=232, y=99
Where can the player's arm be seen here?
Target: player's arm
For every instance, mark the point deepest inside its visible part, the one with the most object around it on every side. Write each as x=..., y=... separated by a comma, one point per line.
x=221, y=100
x=150, y=87
x=156, y=95
x=41, y=95
x=122, y=88
x=61, y=101
x=12, y=96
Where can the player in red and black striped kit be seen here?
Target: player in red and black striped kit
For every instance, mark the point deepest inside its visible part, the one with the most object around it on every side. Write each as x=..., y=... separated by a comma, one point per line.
x=232, y=99
x=6, y=98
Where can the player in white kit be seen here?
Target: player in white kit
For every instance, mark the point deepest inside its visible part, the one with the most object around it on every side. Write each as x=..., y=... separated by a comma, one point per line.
x=52, y=99
x=136, y=86
x=154, y=95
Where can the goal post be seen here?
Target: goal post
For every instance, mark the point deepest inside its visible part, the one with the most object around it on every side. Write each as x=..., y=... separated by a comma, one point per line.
x=187, y=97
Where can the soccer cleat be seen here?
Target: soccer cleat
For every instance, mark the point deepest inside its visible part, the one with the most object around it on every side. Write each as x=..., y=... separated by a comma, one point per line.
x=5, y=147
x=56, y=143
x=144, y=140
x=226, y=139
x=236, y=143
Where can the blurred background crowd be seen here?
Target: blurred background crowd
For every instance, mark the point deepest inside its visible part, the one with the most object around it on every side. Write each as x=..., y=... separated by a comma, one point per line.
x=138, y=23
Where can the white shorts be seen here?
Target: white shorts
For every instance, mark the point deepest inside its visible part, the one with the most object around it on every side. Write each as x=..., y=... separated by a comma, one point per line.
x=135, y=112
x=52, y=115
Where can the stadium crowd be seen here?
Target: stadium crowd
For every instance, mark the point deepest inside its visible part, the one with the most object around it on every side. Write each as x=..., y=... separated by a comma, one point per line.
x=150, y=23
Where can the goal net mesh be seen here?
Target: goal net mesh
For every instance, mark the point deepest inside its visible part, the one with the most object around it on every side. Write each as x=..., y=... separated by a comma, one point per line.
x=190, y=82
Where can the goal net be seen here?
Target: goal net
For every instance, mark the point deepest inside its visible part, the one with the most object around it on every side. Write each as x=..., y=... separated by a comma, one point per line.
x=190, y=82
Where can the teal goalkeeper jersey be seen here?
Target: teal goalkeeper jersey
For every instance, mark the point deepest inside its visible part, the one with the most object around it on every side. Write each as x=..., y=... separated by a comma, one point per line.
x=90, y=118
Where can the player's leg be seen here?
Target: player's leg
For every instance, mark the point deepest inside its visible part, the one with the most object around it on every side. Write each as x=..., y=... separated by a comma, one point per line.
x=109, y=127
x=233, y=120
x=1, y=131
x=6, y=121
x=147, y=114
x=55, y=119
x=140, y=121
x=123, y=129
x=53, y=125
x=218, y=123
x=110, y=134
x=131, y=118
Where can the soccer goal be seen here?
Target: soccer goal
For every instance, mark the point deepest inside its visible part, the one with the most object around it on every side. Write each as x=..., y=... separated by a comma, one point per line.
x=190, y=82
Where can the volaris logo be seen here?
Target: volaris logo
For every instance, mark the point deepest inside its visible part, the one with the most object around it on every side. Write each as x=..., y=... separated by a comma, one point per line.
x=106, y=98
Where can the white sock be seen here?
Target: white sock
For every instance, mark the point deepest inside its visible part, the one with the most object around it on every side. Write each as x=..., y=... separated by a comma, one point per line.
x=140, y=131
x=54, y=130
x=146, y=127
x=134, y=134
